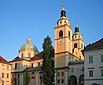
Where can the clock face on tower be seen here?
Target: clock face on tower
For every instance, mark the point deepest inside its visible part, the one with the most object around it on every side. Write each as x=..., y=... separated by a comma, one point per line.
x=60, y=42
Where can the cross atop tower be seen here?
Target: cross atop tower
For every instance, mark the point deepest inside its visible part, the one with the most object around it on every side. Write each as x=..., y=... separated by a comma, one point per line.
x=63, y=12
x=77, y=27
x=28, y=40
x=76, y=24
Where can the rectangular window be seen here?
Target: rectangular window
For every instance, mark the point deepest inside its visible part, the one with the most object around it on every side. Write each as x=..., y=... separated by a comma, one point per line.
x=102, y=72
x=91, y=73
x=58, y=73
x=90, y=59
x=58, y=81
x=101, y=58
x=2, y=82
x=62, y=73
x=2, y=75
x=31, y=64
x=15, y=65
x=38, y=63
x=62, y=80
x=7, y=75
x=18, y=75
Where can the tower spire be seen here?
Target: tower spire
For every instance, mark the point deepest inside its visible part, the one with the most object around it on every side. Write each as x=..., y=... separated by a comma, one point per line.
x=77, y=24
x=63, y=12
x=28, y=40
x=63, y=5
x=76, y=27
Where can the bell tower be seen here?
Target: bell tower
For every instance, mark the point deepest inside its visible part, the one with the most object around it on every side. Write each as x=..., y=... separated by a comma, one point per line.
x=63, y=34
x=63, y=46
x=63, y=40
x=78, y=43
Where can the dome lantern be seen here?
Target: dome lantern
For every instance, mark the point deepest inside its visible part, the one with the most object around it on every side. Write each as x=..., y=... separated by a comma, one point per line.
x=28, y=50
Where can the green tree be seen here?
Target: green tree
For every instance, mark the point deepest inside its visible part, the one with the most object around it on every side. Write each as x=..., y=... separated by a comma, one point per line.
x=26, y=77
x=48, y=62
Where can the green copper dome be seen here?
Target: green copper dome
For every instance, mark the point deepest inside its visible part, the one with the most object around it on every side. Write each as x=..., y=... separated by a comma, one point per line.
x=29, y=46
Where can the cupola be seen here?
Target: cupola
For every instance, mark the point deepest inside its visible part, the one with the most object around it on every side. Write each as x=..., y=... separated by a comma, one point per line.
x=28, y=49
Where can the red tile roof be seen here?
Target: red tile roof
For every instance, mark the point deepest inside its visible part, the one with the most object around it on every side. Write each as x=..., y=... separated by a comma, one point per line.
x=18, y=59
x=94, y=46
x=2, y=60
x=37, y=56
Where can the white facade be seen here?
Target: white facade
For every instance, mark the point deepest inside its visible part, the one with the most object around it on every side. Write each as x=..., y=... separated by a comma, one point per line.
x=93, y=67
x=76, y=73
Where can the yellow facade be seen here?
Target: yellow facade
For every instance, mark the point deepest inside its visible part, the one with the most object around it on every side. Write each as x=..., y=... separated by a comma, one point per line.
x=78, y=44
x=68, y=47
x=63, y=37
x=65, y=40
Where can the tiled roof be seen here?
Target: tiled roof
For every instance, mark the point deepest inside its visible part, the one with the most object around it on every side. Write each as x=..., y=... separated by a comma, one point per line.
x=37, y=56
x=95, y=46
x=18, y=59
x=2, y=60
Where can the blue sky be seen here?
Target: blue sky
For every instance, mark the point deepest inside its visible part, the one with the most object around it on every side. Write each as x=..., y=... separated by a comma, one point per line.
x=20, y=19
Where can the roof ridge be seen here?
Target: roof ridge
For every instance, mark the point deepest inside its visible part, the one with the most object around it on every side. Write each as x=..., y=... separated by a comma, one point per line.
x=2, y=60
x=96, y=45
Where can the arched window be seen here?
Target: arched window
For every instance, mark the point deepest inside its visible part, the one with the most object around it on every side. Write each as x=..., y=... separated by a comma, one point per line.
x=69, y=34
x=75, y=45
x=60, y=33
x=72, y=80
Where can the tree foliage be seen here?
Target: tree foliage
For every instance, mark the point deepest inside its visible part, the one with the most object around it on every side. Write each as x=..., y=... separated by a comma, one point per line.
x=48, y=62
x=26, y=77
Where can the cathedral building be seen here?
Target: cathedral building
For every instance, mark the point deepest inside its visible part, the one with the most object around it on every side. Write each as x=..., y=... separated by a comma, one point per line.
x=74, y=64
x=68, y=47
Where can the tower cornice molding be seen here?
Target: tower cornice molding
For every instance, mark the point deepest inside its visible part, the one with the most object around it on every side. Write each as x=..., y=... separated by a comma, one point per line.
x=63, y=37
x=58, y=27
